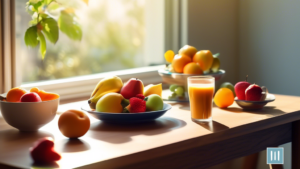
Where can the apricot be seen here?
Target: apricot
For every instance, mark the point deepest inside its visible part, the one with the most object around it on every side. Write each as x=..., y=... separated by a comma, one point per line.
x=204, y=58
x=73, y=123
x=224, y=98
x=15, y=94
x=45, y=96
x=179, y=62
x=169, y=56
x=192, y=68
x=188, y=51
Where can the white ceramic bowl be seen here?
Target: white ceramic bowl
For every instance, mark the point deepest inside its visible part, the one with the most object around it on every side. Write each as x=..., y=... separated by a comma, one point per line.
x=29, y=116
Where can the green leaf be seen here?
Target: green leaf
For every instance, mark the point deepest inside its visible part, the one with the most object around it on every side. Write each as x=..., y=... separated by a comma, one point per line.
x=30, y=37
x=53, y=6
x=50, y=29
x=37, y=5
x=34, y=1
x=42, y=44
x=69, y=26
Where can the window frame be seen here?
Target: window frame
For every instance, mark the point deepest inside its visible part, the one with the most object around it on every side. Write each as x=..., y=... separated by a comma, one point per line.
x=81, y=86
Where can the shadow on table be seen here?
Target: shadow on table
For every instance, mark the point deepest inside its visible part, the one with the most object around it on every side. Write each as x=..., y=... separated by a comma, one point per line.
x=45, y=165
x=120, y=133
x=12, y=135
x=73, y=145
x=270, y=111
x=212, y=126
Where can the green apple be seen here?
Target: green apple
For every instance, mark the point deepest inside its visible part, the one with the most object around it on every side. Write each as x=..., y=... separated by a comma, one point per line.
x=229, y=86
x=173, y=87
x=154, y=103
x=179, y=91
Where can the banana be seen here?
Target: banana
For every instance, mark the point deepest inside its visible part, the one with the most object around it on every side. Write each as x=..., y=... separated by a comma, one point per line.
x=104, y=86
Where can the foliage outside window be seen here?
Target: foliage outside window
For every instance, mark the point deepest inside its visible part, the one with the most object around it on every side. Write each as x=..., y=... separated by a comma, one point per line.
x=112, y=38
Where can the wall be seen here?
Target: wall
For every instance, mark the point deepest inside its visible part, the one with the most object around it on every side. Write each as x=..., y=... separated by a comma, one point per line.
x=259, y=38
x=269, y=44
x=213, y=25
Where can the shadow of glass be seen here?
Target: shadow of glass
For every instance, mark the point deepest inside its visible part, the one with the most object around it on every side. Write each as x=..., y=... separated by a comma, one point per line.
x=73, y=145
x=36, y=165
x=270, y=111
x=120, y=133
x=212, y=126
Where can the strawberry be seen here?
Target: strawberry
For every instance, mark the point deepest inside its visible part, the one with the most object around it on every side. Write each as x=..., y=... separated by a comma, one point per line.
x=136, y=105
x=140, y=96
x=43, y=151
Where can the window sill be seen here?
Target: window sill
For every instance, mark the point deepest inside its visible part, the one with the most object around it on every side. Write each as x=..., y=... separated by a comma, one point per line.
x=82, y=86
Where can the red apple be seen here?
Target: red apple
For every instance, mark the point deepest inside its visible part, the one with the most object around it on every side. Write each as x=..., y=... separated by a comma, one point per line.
x=132, y=88
x=253, y=93
x=30, y=97
x=43, y=151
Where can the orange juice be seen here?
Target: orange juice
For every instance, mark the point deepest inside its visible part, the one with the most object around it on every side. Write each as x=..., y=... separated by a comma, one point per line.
x=201, y=101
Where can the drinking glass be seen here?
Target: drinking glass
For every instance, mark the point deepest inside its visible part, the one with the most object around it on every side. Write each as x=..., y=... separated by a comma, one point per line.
x=201, y=90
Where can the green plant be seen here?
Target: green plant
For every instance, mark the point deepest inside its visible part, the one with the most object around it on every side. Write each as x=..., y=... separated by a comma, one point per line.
x=48, y=17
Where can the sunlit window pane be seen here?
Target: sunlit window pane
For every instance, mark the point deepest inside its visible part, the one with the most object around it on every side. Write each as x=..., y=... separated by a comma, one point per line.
x=113, y=39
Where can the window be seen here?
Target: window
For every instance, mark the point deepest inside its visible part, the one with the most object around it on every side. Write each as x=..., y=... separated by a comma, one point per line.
x=113, y=39
x=117, y=35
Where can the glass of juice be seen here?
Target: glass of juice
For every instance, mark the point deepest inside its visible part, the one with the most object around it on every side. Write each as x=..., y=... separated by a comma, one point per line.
x=201, y=91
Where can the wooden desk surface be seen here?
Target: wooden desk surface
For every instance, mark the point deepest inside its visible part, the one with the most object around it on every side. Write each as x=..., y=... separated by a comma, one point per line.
x=112, y=146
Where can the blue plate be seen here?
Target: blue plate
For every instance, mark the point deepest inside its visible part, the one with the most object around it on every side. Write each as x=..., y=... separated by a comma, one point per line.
x=127, y=117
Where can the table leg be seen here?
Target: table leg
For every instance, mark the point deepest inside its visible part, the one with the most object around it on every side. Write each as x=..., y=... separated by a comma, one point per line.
x=250, y=161
x=296, y=144
x=276, y=166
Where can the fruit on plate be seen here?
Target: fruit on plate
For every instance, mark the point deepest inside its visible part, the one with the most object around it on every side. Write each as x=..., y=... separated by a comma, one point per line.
x=43, y=151
x=137, y=105
x=179, y=62
x=253, y=93
x=204, y=58
x=229, y=86
x=31, y=97
x=188, y=51
x=179, y=91
x=224, y=98
x=73, y=123
x=107, y=85
x=173, y=87
x=132, y=88
x=240, y=89
x=192, y=68
x=169, y=56
x=264, y=93
x=215, y=67
x=45, y=96
x=15, y=94
x=154, y=103
x=153, y=89
x=110, y=103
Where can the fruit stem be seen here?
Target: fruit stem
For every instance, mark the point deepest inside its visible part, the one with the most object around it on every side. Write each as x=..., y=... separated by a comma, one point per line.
x=246, y=78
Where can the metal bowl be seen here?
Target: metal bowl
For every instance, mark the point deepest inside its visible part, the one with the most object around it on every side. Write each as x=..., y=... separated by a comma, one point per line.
x=181, y=79
x=254, y=105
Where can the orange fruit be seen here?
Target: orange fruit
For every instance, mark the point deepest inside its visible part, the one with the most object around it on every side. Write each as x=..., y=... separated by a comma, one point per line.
x=204, y=58
x=188, y=51
x=45, y=96
x=15, y=94
x=192, y=68
x=73, y=123
x=224, y=98
x=169, y=56
x=179, y=62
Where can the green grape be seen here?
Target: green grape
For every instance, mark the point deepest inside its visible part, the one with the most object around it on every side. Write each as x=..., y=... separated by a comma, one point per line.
x=172, y=96
x=179, y=91
x=173, y=87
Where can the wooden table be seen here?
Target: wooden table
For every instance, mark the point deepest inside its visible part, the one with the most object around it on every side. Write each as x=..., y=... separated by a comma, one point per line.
x=173, y=140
